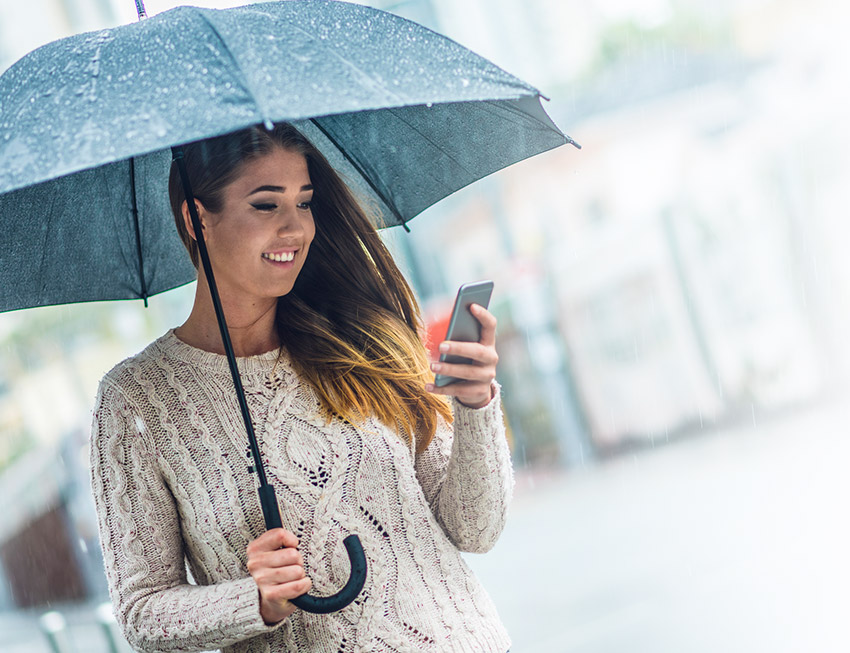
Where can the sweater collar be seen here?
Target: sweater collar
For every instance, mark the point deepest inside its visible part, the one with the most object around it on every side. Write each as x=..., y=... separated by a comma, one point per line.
x=263, y=363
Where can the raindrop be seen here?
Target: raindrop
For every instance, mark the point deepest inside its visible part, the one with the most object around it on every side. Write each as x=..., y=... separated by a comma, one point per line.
x=429, y=104
x=269, y=124
x=465, y=82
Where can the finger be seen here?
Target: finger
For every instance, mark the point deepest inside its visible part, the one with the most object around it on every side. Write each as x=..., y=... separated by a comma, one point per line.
x=274, y=559
x=474, y=395
x=479, y=373
x=273, y=539
x=280, y=575
x=488, y=324
x=453, y=389
x=287, y=591
x=482, y=354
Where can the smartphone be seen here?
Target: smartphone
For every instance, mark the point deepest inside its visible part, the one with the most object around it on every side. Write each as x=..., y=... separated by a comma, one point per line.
x=463, y=326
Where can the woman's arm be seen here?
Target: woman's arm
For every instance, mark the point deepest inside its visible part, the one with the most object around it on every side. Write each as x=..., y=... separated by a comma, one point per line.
x=466, y=471
x=142, y=547
x=467, y=477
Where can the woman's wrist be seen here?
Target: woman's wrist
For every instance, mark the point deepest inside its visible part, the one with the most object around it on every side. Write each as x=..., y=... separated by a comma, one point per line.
x=483, y=402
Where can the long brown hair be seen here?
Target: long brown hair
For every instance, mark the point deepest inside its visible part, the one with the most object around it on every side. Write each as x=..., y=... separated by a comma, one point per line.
x=351, y=324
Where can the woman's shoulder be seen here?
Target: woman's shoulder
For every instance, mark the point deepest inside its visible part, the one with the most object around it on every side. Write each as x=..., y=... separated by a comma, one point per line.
x=133, y=371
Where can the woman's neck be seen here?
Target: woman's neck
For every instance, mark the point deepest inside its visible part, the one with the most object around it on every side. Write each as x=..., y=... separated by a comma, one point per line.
x=251, y=327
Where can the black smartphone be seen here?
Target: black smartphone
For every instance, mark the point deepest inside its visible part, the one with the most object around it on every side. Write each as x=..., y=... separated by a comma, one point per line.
x=463, y=326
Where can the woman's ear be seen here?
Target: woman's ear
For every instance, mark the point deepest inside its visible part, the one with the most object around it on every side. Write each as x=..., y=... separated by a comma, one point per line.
x=187, y=217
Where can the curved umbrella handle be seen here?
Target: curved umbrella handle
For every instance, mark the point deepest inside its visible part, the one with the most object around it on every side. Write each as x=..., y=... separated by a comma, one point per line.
x=356, y=557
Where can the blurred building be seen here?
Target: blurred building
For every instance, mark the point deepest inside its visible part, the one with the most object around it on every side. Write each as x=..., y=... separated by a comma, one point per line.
x=27, y=25
x=686, y=258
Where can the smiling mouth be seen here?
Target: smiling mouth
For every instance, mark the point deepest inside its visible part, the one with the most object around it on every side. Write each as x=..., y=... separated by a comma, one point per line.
x=280, y=257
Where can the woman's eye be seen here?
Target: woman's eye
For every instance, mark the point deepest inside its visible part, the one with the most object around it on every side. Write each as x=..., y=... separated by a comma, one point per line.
x=265, y=207
x=305, y=205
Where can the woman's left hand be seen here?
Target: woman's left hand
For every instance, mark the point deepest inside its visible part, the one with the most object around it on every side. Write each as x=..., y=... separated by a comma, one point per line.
x=475, y=389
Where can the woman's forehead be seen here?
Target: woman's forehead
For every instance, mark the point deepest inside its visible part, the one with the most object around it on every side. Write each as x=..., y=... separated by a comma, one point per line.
x=284, y=168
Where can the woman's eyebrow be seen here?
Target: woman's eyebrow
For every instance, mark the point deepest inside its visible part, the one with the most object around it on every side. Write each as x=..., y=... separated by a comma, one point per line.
x=278, y=189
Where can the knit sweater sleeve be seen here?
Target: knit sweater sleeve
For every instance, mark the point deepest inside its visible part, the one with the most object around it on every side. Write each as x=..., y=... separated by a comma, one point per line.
x=156, y=606
x=467, y=477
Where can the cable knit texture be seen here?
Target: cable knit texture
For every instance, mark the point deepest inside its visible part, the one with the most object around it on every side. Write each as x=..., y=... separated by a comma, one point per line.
x=177, y=508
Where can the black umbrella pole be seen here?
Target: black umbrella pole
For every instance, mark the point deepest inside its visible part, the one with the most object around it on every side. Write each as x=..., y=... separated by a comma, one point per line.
x=268, y=501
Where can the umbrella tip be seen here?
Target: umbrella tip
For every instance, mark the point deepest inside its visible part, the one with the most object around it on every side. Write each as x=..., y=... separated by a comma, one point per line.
x=572, y=142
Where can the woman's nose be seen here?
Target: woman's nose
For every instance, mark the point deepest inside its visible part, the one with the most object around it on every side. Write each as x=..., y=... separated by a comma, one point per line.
x=289, y=222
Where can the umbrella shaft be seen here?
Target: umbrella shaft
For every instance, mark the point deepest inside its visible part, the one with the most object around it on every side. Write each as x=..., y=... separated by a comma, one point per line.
x=135, y=209
x=219, y=313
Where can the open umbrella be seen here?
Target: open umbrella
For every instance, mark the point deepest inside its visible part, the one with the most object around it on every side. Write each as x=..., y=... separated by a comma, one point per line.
x=88, y=123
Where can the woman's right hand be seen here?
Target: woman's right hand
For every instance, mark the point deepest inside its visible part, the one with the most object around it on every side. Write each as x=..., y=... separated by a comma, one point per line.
x=278, y=572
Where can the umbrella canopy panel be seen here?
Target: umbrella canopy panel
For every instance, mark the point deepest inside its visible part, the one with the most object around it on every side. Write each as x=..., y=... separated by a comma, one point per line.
x=190, y=73
x=74, y=239
x=406, y=159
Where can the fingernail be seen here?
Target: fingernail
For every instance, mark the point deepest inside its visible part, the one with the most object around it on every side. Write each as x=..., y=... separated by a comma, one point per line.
x=429, y=387
x=444, y=347
x=435, y=367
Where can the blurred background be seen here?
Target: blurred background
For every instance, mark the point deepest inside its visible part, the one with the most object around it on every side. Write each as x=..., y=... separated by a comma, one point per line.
x=673, y=303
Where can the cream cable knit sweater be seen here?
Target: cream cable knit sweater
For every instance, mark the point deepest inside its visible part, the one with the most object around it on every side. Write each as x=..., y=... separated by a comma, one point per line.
x=172, y=489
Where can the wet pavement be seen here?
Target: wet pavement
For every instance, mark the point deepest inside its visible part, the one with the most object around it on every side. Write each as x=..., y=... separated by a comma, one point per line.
x=22, y=632
x=732, y=540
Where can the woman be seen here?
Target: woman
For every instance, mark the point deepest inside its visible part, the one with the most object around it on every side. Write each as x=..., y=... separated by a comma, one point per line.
x=355, y=437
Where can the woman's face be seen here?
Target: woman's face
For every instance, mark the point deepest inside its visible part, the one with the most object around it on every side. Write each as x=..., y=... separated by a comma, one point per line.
x=259, y=240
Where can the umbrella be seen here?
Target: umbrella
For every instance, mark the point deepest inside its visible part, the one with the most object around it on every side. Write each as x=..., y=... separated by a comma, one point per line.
x=88, y=123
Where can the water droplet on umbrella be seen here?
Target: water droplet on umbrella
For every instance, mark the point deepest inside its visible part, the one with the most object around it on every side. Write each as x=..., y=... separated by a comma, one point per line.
x=269, y=124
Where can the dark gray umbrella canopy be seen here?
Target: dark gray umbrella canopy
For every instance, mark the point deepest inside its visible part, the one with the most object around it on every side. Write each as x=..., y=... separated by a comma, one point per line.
x=86, y=123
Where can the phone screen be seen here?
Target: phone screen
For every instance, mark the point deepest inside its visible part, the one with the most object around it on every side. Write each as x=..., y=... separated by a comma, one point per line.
x=463, y=326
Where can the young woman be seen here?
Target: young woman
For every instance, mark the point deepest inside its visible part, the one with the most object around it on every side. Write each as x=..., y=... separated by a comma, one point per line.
x=354, y=434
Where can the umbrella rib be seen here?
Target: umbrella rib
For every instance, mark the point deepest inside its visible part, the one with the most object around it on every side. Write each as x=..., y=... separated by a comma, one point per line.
x=362, y=174
x=512, y=109
x=430, y=141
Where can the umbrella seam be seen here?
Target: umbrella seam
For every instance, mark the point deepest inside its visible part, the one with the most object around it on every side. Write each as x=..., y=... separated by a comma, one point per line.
x=241, y=75
x=351, y=64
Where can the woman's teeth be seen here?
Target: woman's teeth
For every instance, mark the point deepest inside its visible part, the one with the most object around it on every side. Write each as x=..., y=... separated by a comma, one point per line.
x=280, y=258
